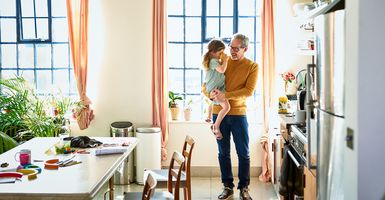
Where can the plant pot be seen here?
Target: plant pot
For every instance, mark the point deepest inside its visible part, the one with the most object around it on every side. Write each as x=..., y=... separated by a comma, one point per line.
x=175, y=113
x=187, y=114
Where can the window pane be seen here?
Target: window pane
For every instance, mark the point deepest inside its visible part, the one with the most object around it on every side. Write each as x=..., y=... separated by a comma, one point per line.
x=175, y=82
x=59, y=30
x=175, y=55
x=8, y=30
x=8, y=7
x=258, y=53
x=61, y=80
x=246, y=26
x=8, y=73
x=194, y=8
x=193, y=56
x=8, y=56
x=41, y=8
x=60, y=55
x=29, y=75
x=59, y=8
x=212, y=8
x=43, y=57
x=193, y=29
x=28, y=29
x=174, y=7
x=43, y=81
x=73, y=88
x=259, y=7
x=196, y=106
x=27, y=8
x=258, y=29
x=175, y=29
x=250, y=52
x=226, y=27
x=193, y=81
x=42, y=28
x=26, y=56
x=246, y=7
x=227, y=8
x=212, y=28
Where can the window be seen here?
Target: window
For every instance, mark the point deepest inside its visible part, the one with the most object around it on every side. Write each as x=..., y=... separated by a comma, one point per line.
x=44, y=62
x=191, y=25
x=34, y=20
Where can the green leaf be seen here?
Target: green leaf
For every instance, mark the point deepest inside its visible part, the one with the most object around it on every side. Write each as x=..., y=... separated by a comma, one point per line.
x=6, y=143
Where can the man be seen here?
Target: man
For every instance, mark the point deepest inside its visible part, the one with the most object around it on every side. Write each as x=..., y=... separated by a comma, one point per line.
x=240, y=81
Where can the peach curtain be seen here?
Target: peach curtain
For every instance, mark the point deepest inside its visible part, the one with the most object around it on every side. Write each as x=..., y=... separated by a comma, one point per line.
x=268, y=59
x=159, y=75
x=77, y=14
x=268, y=78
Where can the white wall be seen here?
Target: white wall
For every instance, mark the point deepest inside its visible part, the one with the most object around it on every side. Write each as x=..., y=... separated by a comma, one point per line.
x=371, y=95
x=119, y=70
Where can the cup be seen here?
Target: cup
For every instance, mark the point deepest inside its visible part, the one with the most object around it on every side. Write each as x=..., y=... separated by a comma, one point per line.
x=23, y=156
x=300, y=116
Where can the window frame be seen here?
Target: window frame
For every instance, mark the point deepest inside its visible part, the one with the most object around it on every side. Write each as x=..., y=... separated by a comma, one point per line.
x=19, y=24
x=180, y=81
x=58, y=70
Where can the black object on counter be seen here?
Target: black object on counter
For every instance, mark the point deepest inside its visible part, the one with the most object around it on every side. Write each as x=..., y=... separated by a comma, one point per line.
x=84, y=142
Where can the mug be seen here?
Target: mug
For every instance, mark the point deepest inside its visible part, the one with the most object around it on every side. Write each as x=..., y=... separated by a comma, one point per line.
x=23, y=156
x=300, y=116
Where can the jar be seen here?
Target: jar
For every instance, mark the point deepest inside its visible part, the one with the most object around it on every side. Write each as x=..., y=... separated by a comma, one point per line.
x=283, y=104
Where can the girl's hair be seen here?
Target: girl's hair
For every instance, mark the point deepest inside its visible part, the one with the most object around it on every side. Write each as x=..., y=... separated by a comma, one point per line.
x=214, y=45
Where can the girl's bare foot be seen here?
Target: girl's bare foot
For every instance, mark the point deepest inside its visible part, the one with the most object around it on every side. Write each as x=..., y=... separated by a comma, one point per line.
x=216, y=132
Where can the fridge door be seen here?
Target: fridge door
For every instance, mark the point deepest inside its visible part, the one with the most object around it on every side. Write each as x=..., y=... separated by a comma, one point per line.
x=329, y=30
x=330, y=156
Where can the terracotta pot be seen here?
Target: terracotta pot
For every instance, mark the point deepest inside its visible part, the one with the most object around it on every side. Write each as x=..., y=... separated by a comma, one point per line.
x=174, y=113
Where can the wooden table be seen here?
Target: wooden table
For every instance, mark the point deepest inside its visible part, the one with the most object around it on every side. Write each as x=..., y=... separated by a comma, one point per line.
x=81, y=181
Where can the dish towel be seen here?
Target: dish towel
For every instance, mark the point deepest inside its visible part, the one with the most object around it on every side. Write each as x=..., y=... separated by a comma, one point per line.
x=265, y=175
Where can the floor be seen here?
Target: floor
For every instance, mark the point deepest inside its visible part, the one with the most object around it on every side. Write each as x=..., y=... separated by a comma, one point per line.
x=206, y=188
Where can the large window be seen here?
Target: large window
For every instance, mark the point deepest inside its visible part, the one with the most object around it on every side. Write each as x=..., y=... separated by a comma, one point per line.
x=191, y=24
x=34, y=44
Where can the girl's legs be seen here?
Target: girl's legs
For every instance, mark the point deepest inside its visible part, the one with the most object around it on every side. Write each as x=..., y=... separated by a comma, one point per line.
x=225, y=109
x=209, y=118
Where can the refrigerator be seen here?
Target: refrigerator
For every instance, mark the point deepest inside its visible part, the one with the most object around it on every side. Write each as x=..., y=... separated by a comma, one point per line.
x=327, y=99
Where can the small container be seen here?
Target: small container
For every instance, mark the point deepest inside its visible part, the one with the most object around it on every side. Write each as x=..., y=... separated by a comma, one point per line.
x=283, y=105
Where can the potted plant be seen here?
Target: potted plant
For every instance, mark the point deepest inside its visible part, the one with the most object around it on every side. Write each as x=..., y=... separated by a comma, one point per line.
x=187, y=110
x=173, y=104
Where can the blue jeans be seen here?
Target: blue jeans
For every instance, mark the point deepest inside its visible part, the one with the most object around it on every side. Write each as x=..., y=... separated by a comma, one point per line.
x=237, y=126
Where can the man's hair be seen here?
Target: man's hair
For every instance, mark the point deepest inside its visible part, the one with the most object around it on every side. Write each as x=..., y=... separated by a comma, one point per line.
x=243, y=38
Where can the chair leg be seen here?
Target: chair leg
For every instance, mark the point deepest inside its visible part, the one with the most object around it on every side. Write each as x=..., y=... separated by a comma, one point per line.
x=189, y=191
x=185, y=193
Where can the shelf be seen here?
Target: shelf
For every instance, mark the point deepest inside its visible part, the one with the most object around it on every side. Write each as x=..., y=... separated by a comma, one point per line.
x=333, y=6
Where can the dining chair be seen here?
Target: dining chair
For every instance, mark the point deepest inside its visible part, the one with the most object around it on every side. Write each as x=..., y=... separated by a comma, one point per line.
x=161, y=175
x=148, y=190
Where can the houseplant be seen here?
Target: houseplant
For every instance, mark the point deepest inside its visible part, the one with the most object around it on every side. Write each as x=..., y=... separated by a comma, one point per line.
x=24, y=115
x=187, y=110
x=173, y=104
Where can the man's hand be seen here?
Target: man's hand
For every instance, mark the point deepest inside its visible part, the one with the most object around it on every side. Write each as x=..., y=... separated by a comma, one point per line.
x=217, y=95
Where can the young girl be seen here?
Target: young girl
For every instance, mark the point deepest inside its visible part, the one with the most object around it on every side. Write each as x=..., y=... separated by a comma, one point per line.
x=215, y=64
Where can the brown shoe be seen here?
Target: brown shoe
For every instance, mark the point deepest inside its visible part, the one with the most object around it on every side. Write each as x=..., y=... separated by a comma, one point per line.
x=244, y=194
x=226, y=194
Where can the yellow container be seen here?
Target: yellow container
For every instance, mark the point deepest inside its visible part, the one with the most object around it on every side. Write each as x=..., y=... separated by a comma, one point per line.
x=283, y=104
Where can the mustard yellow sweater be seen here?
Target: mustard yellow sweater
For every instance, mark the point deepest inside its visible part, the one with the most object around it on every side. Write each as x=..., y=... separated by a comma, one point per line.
x=240, y=80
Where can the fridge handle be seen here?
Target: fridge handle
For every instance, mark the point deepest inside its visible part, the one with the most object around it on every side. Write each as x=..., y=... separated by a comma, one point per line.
x=309, y=110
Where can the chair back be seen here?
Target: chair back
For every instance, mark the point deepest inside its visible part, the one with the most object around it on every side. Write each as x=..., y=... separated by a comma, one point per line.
x=188, y=147
x=149, y=187
x=175, y=173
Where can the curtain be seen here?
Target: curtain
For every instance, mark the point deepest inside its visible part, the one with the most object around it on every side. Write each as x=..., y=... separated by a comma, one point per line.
x=159, y=75
x=77, y=14
x=268, y=79
x=268, y=59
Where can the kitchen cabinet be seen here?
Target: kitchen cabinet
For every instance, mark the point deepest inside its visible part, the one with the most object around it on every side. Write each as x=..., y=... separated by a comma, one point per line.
x=310, y=187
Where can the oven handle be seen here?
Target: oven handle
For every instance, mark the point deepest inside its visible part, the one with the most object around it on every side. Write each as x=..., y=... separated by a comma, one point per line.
x=294, y=159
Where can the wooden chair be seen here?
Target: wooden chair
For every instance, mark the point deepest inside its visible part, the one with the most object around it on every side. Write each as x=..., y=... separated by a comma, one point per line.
x=161, y=175
x=148, y=190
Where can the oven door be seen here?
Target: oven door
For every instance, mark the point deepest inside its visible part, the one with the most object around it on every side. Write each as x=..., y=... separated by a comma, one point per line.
x=291, y=180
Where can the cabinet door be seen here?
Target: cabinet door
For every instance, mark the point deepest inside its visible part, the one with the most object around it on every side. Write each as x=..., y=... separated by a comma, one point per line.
x=310, y=188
